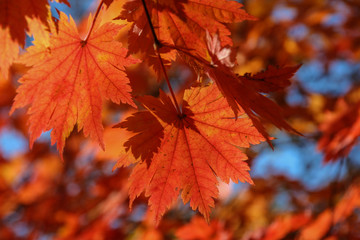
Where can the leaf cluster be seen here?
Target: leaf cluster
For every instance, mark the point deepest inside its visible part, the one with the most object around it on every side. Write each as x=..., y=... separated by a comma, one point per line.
x=197, y=82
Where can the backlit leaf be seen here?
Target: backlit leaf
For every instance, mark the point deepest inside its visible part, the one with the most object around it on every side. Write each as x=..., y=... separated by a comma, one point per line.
x=243, y=93
x=197, y=146
x=69, y=86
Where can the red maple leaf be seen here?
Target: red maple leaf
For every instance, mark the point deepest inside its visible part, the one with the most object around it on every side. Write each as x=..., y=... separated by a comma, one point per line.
x=244, y=93
x=197, y=146
x=340, y=130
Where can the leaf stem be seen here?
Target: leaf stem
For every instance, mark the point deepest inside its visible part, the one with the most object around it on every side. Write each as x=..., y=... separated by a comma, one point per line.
x=168, y=83
x=156, y=40
x=156, y=47
x=93, y=22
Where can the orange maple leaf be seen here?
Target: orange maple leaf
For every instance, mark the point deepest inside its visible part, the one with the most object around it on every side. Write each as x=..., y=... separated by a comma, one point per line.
x=179, y=23
x=197, y=146
x=41, y=43
x=8, y=52
x=14, y=17
x=69, y=85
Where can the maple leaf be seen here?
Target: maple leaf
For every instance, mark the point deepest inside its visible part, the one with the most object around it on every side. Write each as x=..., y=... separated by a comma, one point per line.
x=244, y=92
x=14, y=17
x=8, y=52
x=148, y=139
x=340, y=130
x=320, y=226
x=180, y=23
x=198, y=229
x=197, y=146
x=284, y=225
x=68, y=86
x=271, y=80
x=41, y=43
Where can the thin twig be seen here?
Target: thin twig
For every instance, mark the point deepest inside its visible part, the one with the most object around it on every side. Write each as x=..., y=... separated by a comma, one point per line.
x=168, y=83
x=159, y=44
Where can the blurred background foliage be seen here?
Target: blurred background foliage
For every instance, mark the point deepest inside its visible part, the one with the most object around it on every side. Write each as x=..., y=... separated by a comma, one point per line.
x=307, y=188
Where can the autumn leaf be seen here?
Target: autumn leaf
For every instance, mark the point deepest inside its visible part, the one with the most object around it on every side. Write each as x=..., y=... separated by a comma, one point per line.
x=14, y=17
x=284, y=225
x=68, y=86
x=197, y=146
x=198, y=229
x=8, y=52
x=146, y=142
x=41, y=43
x=315, y=227
x=323, y=223
x=243, y=93
x=179, y=23
x=13, y=25
x=340, y=130
x=271, y=80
